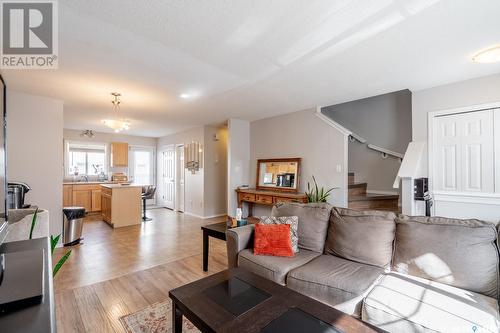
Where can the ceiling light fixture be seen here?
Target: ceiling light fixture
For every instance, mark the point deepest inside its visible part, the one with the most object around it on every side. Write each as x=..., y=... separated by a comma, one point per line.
x=185, y=96
x=116, y=124
x=487, y=56
x=87, y=134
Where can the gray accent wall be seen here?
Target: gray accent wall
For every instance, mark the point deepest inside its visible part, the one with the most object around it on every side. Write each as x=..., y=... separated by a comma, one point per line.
x=384, y=121
x=301, y=134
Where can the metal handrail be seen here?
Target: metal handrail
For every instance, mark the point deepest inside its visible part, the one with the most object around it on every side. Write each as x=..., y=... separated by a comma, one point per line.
x=386, y=152
x=354, y=137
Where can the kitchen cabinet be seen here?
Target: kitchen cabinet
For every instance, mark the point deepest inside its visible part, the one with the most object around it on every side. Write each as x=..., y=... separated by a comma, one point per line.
x=119, y=154
x=67, y=195
x=83, y=198
x=96, y=200
x=121, y=204
x=106, y=204
x=83, y=195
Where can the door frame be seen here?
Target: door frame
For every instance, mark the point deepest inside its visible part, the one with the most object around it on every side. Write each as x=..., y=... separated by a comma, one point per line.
x=431, y=124
x=178, y=169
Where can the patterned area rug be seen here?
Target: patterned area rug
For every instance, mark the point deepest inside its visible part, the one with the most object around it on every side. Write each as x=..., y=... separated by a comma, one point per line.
x=156, y=318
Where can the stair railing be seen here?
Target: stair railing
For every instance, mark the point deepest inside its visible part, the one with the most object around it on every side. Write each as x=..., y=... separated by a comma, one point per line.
x=355, y=137
x=387, y=152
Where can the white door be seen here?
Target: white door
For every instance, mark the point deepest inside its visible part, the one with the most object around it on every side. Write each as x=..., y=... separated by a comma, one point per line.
x=169, y=177
x=180, y=176
x=463, y=153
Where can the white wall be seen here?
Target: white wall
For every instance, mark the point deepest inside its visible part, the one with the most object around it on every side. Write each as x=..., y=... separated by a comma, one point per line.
x=461, y=94
x=107, y=138
x=193, y=184
x=301, y=134
x=238, y=160
x=215, y=171
x=35, y=150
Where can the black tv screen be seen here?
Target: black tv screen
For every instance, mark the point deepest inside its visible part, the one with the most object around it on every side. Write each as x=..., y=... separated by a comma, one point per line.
x=3, y=158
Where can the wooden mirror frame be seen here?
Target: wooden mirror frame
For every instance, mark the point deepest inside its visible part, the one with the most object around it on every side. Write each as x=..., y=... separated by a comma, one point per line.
x=279, y=189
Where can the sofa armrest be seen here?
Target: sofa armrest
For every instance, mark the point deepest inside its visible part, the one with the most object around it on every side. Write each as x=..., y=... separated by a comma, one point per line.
x=238, y=239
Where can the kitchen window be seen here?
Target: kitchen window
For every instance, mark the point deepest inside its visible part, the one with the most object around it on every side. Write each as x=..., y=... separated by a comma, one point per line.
x=85, y=159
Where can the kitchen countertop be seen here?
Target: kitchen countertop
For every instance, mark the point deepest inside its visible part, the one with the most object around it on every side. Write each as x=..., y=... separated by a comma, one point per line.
x=112, y=186
x=91, y=183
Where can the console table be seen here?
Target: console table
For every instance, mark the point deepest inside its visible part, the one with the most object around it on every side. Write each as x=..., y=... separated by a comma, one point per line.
x=266, y=197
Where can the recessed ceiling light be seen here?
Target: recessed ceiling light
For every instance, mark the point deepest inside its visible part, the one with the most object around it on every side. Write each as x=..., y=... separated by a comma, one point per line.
x=487, y=56
x=184, y=96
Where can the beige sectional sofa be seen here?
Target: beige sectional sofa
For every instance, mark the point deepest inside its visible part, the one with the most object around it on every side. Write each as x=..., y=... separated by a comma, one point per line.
x=403, y=274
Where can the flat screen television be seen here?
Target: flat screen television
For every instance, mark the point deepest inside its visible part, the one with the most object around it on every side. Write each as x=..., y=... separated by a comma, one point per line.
x=3, y=159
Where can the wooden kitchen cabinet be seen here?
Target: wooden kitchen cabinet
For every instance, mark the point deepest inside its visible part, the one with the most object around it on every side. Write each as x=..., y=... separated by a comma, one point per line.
x=83, y=198
x=121, y=204
x=106, y=205
x=83, y=195
x=96, y=201
x=119, y=154
x=67, y=195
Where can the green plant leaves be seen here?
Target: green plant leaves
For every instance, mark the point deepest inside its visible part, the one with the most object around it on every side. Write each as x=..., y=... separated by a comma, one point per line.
x=53, y=242
x=61, y=262
x=317, y=194
x=33, y=223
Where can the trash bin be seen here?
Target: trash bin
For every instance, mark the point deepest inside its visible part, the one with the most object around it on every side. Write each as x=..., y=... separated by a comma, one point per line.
x=72, y=225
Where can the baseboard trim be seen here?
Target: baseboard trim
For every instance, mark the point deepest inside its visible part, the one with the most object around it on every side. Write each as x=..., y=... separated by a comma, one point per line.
x=204, y=217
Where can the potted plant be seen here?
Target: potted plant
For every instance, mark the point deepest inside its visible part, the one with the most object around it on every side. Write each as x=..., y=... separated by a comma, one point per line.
x=53, y=243
x=317, y=194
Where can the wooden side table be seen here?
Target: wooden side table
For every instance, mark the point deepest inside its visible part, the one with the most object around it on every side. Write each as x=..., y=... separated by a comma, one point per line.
x=217, y=230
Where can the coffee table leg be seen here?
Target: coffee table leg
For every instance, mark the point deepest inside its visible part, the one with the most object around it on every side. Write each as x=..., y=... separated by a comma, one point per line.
x=205, y=251
x=176, y=319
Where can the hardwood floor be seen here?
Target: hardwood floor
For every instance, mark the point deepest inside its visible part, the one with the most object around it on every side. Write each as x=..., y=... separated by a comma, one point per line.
x=120, y=271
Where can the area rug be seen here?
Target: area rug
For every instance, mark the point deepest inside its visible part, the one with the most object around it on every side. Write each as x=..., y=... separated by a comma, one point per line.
x=156, y=318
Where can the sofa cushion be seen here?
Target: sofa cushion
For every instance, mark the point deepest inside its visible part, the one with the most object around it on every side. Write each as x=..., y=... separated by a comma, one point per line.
x=273, y=268
x=335, y=281
x=273, y=240
x=313, y=222
x=461, y=253
x=292, y=221
x=402, y=303
x=365, y=236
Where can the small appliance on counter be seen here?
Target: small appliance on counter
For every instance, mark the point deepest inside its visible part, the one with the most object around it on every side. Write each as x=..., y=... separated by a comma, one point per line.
x=119, y=177
x=285, y=180
x=16, y=193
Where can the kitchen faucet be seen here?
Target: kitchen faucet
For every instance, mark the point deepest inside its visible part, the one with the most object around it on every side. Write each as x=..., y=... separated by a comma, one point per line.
x=85, y=178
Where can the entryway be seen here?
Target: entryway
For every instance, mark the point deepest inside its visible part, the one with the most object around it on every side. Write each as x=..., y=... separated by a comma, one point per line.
x=171, y=194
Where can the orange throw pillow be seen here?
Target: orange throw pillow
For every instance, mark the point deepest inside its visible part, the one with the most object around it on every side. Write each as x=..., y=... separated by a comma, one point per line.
x=273, y=240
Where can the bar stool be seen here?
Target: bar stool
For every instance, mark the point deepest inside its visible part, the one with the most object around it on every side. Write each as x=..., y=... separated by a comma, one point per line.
x=148, y=192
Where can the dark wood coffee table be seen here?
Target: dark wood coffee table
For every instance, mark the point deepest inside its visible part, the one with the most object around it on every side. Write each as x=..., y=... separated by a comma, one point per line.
x=255, y=304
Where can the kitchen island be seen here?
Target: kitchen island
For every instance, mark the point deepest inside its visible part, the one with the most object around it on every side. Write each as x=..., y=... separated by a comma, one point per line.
x=121, y=204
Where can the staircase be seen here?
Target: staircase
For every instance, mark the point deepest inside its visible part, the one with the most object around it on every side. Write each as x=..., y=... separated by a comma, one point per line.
x=359, y=199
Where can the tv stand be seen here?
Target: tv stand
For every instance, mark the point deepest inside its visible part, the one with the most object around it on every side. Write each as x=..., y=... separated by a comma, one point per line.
x=39, y=318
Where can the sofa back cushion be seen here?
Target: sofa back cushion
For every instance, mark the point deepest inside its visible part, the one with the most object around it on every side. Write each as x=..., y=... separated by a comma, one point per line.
x=365, y=236
x=313, y=222
x=460, y=253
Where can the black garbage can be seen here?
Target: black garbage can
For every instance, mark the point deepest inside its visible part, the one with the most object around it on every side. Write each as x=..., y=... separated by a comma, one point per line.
x=72, y=225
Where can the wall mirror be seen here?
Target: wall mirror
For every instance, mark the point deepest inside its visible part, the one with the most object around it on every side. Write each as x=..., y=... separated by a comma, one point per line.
x=279, y=174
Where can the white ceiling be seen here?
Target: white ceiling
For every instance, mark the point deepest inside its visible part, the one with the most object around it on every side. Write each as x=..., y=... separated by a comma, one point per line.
x=252, y=59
